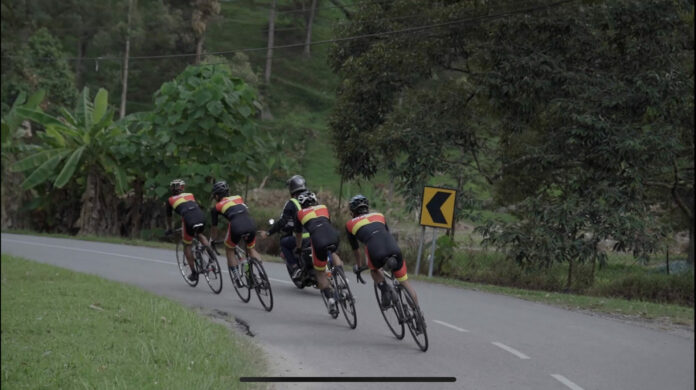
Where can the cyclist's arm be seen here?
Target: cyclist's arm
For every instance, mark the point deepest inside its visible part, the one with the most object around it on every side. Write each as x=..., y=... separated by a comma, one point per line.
x=168, y=217
x=355, y=246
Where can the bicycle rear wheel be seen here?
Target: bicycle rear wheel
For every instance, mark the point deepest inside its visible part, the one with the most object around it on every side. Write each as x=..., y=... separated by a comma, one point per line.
x=414, y=319
x=391, y=315
x=345, y=298
x=183, y=264
x=261, y=284
x=244, y=292
x=212, y=272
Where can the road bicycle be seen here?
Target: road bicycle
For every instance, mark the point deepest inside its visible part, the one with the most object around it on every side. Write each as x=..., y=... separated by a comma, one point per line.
x=341, y=290
x=205, y=261
x=252, y=276
x=401, y=308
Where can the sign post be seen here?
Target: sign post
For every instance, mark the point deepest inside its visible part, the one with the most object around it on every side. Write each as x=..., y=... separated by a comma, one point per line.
x=437, y=211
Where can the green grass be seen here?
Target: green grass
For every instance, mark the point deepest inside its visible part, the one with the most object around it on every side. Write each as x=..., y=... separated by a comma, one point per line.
x=647, y=310
x=62, y=329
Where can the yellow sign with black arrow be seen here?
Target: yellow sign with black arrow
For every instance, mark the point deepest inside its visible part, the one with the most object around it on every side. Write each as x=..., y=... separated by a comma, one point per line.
x=437, y=207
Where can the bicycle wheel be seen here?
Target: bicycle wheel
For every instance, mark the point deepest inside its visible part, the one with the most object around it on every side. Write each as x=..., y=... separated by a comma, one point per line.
x=326, y=301
x=244, y=292
x=414, y=319
x=391, y=315
x=212, y=272
x=261, y=284
x=345, y=298
x=183, y=264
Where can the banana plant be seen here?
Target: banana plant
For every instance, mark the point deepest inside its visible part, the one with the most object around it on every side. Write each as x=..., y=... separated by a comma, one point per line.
x=74, y=142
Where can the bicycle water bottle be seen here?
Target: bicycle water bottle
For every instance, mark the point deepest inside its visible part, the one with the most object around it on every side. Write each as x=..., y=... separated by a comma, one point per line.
x=244, y=267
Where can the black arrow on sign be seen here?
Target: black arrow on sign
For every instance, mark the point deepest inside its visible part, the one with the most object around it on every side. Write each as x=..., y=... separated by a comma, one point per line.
x=435, y=204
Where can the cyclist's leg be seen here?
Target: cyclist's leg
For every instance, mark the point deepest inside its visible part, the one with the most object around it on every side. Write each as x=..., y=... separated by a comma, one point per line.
x=187, y=239
x=402, y=276
x=320, y=266
x=229, y=248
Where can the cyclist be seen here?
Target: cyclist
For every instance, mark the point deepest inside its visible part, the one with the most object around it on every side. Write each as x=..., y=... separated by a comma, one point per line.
x=315, y=218
x=240, y=224
x=285, y=225
x=380, y=246
x=192, y=220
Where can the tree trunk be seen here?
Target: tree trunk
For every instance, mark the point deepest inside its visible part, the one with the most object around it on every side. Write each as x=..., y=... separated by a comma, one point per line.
x=667, y=260
x=199, y=48
x=271, y=34
x=570, y=274
x=98, y=213
x=81, y=50
x=308, y=38
x=690, y=259
x=135, y=207
x=124, y=91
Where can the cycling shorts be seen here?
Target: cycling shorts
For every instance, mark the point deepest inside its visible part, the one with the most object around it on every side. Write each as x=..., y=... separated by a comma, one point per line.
x=192, y=223
x=320, y=240
x=240, y=225
x=381, y=247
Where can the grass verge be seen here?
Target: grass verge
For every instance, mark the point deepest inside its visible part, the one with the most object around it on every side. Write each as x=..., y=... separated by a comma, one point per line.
x=62, y=329
x=674, y=314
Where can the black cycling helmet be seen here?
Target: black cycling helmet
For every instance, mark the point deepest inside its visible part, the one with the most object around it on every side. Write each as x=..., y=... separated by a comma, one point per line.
x=177, y=186
x=220, y=188
x=359, y=204
x=296, y=184
x=307, y=199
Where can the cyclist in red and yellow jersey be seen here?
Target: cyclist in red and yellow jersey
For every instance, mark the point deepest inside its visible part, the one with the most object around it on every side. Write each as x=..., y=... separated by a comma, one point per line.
x=192, y=220
x=322, y=236
x=240, y=224
x=380, y=246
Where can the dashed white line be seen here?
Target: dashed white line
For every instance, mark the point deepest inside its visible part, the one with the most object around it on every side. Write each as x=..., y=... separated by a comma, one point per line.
x=443, y=323
x=510, y=349
x=280, y=281
x=566, y=382
x=91, y=251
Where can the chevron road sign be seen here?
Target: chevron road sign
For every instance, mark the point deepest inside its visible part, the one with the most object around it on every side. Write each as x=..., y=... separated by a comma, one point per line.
x=437, y=207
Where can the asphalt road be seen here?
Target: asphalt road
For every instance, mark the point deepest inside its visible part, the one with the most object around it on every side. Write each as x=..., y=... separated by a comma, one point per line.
x=485, y=341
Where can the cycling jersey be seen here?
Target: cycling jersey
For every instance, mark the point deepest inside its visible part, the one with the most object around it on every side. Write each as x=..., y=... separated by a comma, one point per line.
x=371, y=229
x=321, y=234
x=240, y=222
x=192, y=217
x=286, y=223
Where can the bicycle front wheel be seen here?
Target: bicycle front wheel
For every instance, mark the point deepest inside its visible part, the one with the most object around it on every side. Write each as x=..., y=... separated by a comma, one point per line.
x=183, y=264
x=345, y=298
x=414, y=319
x=391, y=315
x=261, y=284
x=212, y=272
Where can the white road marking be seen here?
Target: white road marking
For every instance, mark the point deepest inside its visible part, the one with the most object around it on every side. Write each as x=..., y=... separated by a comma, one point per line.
x=510, y=349
x=443, y=323
x=91, y=251
x=280, y=281
x=566, y=382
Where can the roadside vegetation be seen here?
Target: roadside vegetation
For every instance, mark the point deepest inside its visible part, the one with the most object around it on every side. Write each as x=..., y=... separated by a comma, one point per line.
x=63, y=329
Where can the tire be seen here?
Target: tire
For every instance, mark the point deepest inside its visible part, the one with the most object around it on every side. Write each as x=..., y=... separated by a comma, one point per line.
x=413, y=317
x=391, y=315
x=298, y=283
x=261, y=284
x=243, y=292
x=213, y=274
x=183, y=264
x=345, y=298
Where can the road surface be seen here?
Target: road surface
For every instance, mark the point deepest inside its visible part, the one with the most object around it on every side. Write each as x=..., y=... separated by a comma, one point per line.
x=485, y=341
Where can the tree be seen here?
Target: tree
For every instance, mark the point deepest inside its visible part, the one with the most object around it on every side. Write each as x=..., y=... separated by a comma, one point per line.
x=38, y=64
x=76, y=145
x=271, y=36
x=203, y=10
x=567, y=111
x=202, y=128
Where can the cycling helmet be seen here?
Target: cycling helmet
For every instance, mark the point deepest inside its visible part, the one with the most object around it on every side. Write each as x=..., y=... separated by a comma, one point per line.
x=220, y=189
x=307, y=199
x=176, y=186
x=358, y=203
x=296, y=184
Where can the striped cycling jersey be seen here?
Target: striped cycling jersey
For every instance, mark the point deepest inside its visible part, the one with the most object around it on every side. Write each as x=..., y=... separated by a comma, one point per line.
x=182, y=202
x=364, y=227
x=313, y=217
